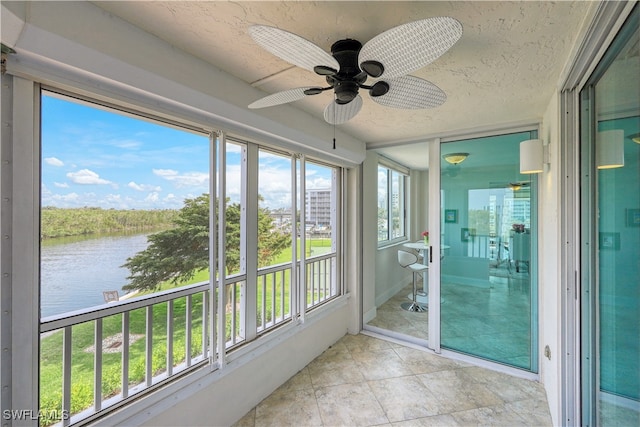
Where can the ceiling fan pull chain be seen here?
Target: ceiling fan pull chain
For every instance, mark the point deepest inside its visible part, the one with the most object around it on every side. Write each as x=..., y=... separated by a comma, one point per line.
x=334, y=127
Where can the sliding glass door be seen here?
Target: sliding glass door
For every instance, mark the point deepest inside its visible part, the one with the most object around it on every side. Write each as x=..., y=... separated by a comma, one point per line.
x=488, y=240
x=610, y=165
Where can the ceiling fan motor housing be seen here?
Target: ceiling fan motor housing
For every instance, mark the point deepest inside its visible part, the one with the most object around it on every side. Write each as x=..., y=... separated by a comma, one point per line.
x=348, y=79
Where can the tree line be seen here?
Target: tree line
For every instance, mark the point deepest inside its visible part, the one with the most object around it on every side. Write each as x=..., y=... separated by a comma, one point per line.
x=62, y=222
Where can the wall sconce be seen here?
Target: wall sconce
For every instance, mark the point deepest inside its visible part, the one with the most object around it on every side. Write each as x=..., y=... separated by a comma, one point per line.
x=610, y=149
x=533, y=156
x=455, y=158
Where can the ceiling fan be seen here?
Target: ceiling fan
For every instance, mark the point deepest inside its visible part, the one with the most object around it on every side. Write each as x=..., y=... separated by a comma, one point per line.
x=388, y=58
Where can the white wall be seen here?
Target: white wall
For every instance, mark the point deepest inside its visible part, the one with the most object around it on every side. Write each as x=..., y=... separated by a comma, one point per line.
x=549, y=279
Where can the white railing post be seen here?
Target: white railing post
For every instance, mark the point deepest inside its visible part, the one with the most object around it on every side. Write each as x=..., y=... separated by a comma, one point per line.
x=149, y=346
x=66, y=374
x=187, y=331
x=97, y=365
x=169, y=338
x=125, y=354
x=208, y=345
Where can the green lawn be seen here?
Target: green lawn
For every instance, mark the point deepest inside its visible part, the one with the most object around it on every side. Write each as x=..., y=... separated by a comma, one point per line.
x=82, y=371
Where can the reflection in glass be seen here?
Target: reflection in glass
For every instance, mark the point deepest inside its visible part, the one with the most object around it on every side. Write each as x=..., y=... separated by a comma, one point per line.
x=487, y=281
x=617, y=102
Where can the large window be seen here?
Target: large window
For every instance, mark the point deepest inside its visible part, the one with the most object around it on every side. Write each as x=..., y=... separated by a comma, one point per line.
x=276, y=216
x=391, y=204
x=124, y=216
x=320, y=233
x=127, y=288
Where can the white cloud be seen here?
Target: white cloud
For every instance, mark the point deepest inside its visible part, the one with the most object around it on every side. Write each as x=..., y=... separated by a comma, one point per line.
x=54, y=161
x=61, y=184
x=151, y=197
x=318, y=183
x=127, y=144
x=187, y=179
x=165, y=173
x=71, y=197
x=86, y=177
x=143, y=187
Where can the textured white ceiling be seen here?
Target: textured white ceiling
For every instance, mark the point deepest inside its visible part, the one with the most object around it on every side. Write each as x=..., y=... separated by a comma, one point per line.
x=504, y=68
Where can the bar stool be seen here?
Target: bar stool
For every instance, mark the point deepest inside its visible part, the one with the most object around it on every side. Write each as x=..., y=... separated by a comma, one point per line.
x=409, y=261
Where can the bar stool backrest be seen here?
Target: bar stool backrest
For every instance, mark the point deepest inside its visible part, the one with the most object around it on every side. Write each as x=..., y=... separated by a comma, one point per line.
x=405, y=258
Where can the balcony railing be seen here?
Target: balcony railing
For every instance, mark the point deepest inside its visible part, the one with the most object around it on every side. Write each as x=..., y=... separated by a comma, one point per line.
x=139, y=343
x=178, y=315
x=321, y=283
x=273, y=294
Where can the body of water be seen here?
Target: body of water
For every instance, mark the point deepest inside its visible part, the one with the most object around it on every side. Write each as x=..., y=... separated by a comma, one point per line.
x=76, y=270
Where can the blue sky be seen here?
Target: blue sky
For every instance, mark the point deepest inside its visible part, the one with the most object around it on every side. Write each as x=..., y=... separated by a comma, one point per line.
x=95, y=157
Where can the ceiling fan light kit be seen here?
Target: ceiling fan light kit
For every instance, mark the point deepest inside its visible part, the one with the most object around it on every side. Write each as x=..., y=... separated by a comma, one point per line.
x=388, y=57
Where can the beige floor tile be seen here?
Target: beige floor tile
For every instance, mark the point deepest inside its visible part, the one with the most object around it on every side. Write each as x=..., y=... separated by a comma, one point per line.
x=301, y=380
x=339, y=369
x=335, y=350
x=507, y=387
x=445, y=420
x=535, y=411
x=380, y=364
x=405, y=398
x=363, y=343
x=421, y=362
x=409, y=387
x=349, y=405
x=490, y=417
x=457, y=393
x=288, y=408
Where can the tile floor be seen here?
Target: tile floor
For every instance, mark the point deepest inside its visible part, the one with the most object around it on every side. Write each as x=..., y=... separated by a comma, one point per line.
x=365, y=381
x=493, y=322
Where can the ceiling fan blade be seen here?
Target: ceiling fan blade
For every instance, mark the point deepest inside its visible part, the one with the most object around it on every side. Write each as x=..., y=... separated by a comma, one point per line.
x=409, y=47
x=292, y=48
x=278, y=98
x=411, y=93
x=337, y=114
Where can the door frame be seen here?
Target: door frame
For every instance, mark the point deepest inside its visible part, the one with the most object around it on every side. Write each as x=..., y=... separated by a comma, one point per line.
x=606, y=21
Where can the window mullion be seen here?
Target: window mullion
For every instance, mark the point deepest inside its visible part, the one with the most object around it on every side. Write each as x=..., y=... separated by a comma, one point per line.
x=23, y=203
x=295, y=286
x=220, y=315
x=302, y=285
x=250, y=241
x=389, y=204
x=213, y=160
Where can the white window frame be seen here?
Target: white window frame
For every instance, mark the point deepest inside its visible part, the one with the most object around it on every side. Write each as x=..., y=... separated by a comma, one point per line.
x=403, y=172
x=22, y=178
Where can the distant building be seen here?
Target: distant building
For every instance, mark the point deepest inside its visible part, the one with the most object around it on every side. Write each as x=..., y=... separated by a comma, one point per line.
x=318, y=207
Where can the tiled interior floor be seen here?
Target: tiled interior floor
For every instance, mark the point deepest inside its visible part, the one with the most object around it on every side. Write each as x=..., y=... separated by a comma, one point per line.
x=364, y=381
x=493, y=322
